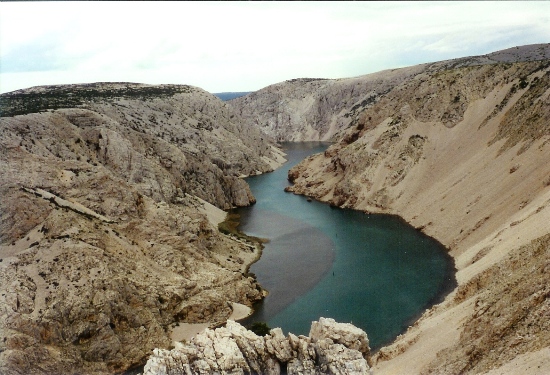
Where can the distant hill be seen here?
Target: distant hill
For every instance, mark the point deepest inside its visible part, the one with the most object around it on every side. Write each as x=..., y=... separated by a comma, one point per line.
x=310, y=109
x=225, y=96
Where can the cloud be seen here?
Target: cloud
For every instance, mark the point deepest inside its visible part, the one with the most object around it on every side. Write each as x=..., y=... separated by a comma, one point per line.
x=32, y=56
x=239, y=46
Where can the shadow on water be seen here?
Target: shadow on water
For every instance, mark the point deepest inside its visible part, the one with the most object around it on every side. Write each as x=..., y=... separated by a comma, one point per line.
x=374, y=271
x=294, y=260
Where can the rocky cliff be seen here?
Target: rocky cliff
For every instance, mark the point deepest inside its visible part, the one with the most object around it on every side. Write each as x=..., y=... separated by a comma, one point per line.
x=460, y=149
x=318, y=109
x=110, y=196
x=330, y=348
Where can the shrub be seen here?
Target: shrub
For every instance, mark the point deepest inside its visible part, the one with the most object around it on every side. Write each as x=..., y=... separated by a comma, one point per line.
x=259, y=328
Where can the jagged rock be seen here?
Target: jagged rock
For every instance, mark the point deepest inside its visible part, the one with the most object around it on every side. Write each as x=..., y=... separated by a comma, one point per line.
x=341, y=333
x=278, y=345
x=330, y=349
x=304, y=361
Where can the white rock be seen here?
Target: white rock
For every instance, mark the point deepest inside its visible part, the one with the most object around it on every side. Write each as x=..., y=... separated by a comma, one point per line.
x=235, y=350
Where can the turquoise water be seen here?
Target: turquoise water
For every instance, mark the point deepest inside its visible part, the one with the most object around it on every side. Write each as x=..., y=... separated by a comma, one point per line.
x=374, y=271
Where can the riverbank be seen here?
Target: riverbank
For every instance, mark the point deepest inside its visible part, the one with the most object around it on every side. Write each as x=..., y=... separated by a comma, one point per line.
x=338, y=263
x=229, y=227
x=227, y=224
x=186, y=331
x=482, y=191
x=338, y=232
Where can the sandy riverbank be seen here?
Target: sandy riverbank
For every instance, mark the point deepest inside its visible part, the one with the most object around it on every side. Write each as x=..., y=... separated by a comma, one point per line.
x=186, y=331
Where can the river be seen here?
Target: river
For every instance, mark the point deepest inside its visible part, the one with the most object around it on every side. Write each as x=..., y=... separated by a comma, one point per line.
x=374, y=271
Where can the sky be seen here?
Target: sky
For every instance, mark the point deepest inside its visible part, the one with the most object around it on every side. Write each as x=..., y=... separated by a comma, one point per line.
x=245, y=46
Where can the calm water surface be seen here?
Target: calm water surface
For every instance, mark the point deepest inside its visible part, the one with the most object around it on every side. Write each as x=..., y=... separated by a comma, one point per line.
x=374, y=271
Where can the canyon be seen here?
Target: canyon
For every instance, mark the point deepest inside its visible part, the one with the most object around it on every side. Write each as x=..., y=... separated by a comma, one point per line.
x=460, y=150
x=111, y=195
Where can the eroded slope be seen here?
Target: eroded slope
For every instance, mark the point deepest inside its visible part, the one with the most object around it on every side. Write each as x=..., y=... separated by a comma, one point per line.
x=462, y=153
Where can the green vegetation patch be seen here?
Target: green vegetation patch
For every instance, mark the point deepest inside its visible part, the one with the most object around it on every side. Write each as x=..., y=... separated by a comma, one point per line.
x=23, y=102
x=230, y=225
x=259, y=328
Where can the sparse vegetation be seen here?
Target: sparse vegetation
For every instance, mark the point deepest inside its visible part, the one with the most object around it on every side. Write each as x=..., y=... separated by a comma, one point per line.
x=259, y=328
x=523, y=83
x=71, y=96
x=527, y=110
x=229, y=227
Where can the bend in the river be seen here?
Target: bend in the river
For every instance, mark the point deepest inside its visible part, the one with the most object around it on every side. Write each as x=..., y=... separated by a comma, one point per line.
x=374, y=271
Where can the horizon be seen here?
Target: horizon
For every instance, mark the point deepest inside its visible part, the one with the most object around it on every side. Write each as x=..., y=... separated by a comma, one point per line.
x=274, y=83
x=243, y=47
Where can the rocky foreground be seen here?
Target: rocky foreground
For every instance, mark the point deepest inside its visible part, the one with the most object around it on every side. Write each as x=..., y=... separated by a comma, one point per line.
x=330, y=348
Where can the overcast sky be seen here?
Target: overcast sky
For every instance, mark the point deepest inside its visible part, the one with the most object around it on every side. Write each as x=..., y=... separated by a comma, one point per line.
x=242, y=46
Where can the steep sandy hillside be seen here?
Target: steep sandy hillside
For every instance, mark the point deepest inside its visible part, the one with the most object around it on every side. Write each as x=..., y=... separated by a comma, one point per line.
x=110, y=196
x=461, y=151
x=318, y=109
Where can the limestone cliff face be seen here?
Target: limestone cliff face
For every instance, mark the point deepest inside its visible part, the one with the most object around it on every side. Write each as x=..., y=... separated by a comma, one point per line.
x=330, y=348
x=461, y=151
x=154, y=136
x=311, y=109
x=107, y=236
x=318, y=109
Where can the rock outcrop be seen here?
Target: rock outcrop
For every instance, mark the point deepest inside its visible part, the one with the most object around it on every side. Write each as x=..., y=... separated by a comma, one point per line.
x=331, y=348
x=108, y=225
x=158, y=137
x=459, y=150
